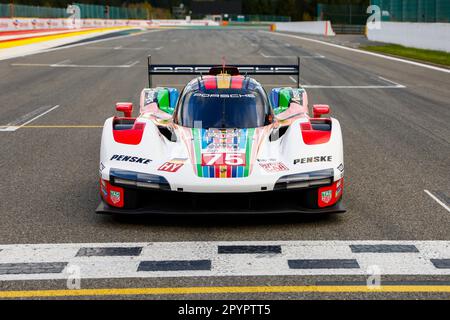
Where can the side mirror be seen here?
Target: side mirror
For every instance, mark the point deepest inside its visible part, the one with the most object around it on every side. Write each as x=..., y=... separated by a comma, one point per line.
x=281, y=98
x=320, y=109
x=167, y=99
x=126, y=108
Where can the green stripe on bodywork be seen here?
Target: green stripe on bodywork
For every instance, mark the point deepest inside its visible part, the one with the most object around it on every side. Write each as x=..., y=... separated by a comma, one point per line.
x=164, y=100
x=198, y=155
x=250, y=133
x=285, y=98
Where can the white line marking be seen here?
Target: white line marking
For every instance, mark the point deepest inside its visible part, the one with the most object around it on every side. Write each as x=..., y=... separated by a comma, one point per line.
x=394, y=85
x=415, y=263
x=123, y=48
x=59, y=65
x=362, y=51
x=398, y=85
x=351, y=87
x=318, y=56
x=437, y=200
x=16, y=125
x=132, y=63
x=7, y=129
x=62, y=62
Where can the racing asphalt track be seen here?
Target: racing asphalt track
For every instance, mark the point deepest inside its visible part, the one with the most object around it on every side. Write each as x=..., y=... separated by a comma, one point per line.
x=396, y=139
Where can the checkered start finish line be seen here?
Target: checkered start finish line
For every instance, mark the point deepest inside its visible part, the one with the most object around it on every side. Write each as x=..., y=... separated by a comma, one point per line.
x=195, y=259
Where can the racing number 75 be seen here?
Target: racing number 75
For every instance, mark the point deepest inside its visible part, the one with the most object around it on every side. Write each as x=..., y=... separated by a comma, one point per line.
x=227, y=159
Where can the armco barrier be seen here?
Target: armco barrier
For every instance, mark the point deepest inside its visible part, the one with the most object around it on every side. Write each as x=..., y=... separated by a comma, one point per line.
x=39, y=24
x=322, y=28
x=432, y=36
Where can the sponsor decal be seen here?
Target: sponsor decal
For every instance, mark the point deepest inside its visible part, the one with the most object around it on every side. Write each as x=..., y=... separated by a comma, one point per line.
x=314, y=159
x=341, y=167
x=273, y=166
x=266, y=160
x=114, y=196
x=124, y=158
x=172, y=166
x=102, y=166
x=326, y=196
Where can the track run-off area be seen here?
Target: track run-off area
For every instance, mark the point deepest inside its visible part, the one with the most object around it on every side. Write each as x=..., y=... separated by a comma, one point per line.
x=394, y=115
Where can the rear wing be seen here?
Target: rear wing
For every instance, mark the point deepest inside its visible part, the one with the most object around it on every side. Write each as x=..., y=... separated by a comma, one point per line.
x=204, y=69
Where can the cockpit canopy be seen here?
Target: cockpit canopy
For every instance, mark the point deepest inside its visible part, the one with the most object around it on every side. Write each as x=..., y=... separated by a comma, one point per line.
x=223, y=102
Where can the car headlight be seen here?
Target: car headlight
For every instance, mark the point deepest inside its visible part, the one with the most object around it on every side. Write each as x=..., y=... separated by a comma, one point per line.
x=138, y=180
x=305, y=180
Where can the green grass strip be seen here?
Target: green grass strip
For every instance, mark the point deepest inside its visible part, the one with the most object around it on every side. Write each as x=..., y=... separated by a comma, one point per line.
x=436, y=57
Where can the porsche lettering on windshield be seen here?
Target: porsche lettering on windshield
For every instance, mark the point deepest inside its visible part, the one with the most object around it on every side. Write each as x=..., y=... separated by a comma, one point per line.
x=224, y=95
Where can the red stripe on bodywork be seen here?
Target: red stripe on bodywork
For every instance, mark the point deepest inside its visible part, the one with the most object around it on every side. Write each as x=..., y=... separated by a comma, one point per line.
x=210, y=83
x=217, y=172
x=237, y=82
x=229, y=171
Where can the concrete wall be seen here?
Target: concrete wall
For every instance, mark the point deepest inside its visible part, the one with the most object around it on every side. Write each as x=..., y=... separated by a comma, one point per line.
x=322, y=28
x=433, y=36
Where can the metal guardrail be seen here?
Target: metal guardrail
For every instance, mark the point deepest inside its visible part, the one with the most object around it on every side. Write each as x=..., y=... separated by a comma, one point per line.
x=348, y=29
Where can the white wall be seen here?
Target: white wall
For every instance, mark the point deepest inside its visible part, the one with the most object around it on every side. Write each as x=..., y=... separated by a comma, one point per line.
x=322, y=28
x=432, y=36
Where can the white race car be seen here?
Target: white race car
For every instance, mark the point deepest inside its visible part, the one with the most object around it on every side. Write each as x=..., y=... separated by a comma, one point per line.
x=222, y=146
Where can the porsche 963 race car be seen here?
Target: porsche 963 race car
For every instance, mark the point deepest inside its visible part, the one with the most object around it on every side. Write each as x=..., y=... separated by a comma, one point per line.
x=222, y=145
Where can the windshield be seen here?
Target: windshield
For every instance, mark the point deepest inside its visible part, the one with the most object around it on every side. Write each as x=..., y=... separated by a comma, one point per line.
x=224, y=108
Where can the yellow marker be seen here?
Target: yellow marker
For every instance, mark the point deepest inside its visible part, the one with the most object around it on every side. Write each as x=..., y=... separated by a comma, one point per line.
x=224, y=290
x=223, y=81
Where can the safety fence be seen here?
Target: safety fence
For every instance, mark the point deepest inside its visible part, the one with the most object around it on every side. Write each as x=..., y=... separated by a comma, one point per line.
x=342, y=14
x=108, y=12
x=87, y=11
x=414, y=10
x=259, y=18
x=16, y=10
